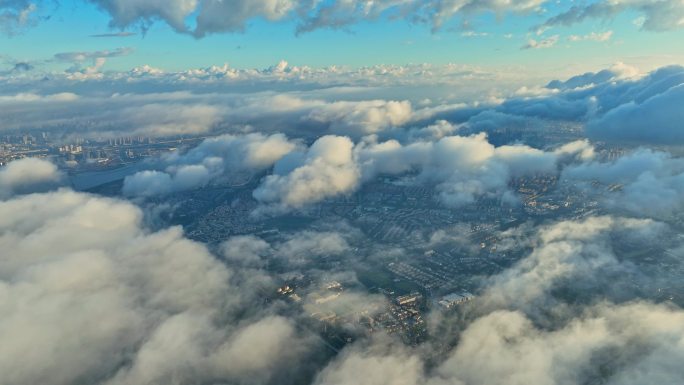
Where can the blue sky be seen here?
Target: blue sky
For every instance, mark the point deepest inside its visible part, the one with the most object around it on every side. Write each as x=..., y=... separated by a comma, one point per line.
x=367, y=42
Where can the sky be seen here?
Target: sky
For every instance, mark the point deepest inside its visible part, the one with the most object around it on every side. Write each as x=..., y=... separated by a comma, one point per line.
x=494, y=36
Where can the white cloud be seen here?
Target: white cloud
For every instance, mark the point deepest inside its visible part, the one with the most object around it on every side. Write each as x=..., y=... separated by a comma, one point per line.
x=30, y=97
x=619, y=71
x=92, y=55
x=186, y=348
x=364, y=117
x=326, y=169
x=178, y=113
x=594, y=36
x=542, y=44
x=28, y=175
x=215, y=158
x=634, y=340
x=462, y=167
x=170, y=119
x=518, y=335
x=90, y=295
x=97, y=59
x=376, y=365
x=285, y=98
x=246, y=250
x=576, y=251
x=306, y=246
x=300, y=250
x=660, y=15
x=650, y=182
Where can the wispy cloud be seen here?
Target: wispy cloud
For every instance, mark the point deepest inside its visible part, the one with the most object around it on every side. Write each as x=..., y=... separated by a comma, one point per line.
x=115, y=34
x=594, y=36
x=542, y=43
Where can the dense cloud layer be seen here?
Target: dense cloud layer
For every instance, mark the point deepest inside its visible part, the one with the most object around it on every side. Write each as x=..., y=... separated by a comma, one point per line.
x=89, y=295
x=571, y=256
x=527, y=333
x=637, y=343
x=633, y=340
x=655, y=120
x=157, y=308
x=280, y=76
x=616, y=104
x=167, y=311
x=184, y=113
x=462, y=168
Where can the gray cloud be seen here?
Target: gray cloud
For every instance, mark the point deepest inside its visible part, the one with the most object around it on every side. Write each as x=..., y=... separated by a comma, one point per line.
x=214, y=16
x=92, y=55
x=649, y=183
x=654, y=120
x=22, y=67
x=615, y=104
x=657, y=15
x=15, y=15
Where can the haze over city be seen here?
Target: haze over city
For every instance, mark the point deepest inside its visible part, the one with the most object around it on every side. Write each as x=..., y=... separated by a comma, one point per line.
x=341, y=192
